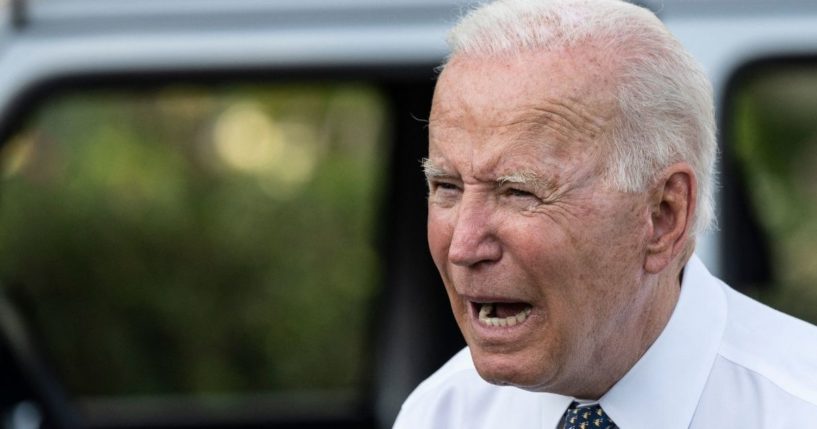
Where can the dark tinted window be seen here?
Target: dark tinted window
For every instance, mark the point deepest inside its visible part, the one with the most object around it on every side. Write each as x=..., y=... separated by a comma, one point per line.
x=208, y=242
x=771, y=155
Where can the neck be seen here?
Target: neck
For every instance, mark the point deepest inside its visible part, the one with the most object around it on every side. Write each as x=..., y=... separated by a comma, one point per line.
x=652, y=313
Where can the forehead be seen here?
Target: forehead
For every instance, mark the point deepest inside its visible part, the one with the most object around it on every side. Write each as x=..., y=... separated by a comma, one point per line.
x=556, y=102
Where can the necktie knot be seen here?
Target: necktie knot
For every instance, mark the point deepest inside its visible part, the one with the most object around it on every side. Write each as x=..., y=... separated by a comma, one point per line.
x=587, y=417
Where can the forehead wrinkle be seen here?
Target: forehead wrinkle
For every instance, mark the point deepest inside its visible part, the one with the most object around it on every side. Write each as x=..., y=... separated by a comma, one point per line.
x=488, y=156
x=559, y=117
x=523, y=177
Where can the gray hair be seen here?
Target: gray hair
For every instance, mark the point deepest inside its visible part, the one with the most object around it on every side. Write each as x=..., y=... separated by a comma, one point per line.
x=666, y=111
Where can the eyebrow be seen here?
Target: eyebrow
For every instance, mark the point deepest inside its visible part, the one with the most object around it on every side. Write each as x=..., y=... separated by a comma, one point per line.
x=432, y=170
x=522, y=178
x=528, y=178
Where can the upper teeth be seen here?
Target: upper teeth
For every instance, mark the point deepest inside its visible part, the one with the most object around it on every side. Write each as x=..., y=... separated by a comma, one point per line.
x=487, y=309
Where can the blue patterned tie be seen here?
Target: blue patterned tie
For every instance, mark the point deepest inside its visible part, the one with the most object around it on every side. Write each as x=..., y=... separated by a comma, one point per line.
x=587, y=417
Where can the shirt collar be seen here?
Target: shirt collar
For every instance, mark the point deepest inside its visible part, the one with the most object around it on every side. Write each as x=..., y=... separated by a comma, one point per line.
x=664, y=386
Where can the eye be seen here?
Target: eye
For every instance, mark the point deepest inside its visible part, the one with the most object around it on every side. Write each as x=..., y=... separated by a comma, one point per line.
x=519, y=193
x=444, y=187
x=520, y=197
x=515, y=192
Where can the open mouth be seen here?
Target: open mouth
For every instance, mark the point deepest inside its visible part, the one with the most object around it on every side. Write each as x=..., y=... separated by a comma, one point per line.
x=502, y=314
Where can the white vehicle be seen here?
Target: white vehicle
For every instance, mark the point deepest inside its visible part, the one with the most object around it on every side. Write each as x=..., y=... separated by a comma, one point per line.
x=212, y=212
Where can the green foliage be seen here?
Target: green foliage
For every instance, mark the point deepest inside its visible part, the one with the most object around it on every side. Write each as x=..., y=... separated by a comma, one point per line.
x=197, y=240
x=775, y=128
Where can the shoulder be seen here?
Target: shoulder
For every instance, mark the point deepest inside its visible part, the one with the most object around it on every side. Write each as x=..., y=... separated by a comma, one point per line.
x=456, y=396
x=434, y=403
x=457, y=372
x=773, y=347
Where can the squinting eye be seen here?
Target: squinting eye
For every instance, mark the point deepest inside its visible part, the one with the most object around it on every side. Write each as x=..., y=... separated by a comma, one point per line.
x=518, y=193
x=445, y=187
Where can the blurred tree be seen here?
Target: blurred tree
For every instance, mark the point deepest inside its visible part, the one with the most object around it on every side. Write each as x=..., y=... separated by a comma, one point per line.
x=775, y=130
x=197, y=239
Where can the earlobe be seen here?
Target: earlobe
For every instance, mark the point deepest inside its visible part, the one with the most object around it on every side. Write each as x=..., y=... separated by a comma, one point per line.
x=672, y=205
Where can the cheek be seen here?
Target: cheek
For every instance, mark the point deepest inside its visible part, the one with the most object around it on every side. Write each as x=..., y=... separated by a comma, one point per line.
x=613, y=262
x=540, y=247
x=568, y=263
x=439, y=237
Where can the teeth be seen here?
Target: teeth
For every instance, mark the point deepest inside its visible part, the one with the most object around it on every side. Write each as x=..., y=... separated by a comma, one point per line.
x=486, y=309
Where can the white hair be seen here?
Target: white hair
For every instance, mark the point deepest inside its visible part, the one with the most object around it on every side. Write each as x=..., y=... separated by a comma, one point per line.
x=666, y=111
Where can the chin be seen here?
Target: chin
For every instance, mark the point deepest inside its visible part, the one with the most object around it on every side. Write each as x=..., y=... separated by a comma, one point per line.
x=511, y=370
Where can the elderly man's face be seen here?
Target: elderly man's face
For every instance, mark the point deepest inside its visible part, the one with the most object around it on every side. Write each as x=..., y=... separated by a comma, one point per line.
x=542, y=262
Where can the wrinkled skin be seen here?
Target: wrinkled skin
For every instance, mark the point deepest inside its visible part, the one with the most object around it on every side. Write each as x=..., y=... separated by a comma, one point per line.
x=559, y=239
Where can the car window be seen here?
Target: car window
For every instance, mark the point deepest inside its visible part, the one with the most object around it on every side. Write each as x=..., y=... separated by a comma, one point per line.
x=198, y=241
x=771, y=151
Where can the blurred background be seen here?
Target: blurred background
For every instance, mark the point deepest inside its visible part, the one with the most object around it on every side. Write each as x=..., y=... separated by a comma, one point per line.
x=212, y=212
x=198, y=239
x=772, y=125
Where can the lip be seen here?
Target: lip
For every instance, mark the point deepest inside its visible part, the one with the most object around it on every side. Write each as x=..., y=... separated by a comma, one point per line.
x=489, y=298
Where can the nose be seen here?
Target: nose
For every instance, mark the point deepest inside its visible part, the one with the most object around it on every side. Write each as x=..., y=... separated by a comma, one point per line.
x=474, y=239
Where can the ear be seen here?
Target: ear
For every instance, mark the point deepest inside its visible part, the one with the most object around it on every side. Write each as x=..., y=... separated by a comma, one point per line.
x=672, y=205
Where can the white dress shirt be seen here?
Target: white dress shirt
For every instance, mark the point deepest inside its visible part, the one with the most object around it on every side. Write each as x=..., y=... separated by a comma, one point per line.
x=723, y=361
